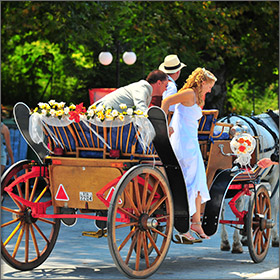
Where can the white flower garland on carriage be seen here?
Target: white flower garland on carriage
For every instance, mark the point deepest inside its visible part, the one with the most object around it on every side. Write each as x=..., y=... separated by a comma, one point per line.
x=58, y=114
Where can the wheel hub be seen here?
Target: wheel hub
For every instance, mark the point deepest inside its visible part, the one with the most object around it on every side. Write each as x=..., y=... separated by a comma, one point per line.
x=28, y=216
x=146, y=222
x=266, y=223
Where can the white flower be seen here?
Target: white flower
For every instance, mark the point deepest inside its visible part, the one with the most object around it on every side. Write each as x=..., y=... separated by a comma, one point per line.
x=90, y=112
x=52, y=112
x=66, y=110
x=41, y=105
x=44, y=112
x=99, y=108
x=52, y=102
x=115, y=113
x=61, y=104
x=123, y=106
x=130, y=111
x=83, y=117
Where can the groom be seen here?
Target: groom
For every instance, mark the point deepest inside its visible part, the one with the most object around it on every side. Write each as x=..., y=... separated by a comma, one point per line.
x=138, y=94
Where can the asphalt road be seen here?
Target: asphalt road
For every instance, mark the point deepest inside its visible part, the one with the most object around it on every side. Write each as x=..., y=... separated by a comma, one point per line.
x=81, y=257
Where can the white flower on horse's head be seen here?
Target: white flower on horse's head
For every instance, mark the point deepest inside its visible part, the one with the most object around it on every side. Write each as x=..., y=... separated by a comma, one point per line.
x=130, y=111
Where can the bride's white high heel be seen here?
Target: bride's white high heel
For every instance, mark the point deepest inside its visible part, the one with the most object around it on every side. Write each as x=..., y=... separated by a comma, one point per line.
x=186, y=238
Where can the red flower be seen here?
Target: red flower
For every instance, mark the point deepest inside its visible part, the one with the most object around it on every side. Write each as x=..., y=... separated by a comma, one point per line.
x=242, y=149
x=241, y=140
x=248, y=142
x=79, y=110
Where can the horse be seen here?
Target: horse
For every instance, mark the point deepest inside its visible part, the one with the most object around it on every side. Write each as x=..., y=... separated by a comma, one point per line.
x=265, y=126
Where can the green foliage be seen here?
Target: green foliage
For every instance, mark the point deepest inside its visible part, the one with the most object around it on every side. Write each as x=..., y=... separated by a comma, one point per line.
x=50, y=49
x=242, y=98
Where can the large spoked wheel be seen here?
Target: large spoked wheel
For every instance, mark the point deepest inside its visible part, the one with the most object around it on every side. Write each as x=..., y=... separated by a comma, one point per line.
x=26, y=242
x=140, y=221
x=259, y=224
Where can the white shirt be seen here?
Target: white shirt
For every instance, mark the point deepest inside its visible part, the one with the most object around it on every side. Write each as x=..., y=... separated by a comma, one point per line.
x=171, y=89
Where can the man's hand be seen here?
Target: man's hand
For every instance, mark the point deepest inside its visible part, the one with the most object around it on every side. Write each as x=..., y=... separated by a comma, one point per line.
x=266, y=162
x=170, y=130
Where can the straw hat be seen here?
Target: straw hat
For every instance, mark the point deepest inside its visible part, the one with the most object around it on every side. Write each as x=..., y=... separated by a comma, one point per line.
x=171, y=64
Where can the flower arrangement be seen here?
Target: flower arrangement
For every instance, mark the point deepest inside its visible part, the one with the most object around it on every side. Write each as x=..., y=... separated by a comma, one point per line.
x=243, y=145
x=77, y=112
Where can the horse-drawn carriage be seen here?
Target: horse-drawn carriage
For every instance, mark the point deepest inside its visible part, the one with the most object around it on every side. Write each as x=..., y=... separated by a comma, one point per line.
x=135, y=193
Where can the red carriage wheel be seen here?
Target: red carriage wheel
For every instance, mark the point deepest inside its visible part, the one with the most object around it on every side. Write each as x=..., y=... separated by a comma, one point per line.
x=26, y=241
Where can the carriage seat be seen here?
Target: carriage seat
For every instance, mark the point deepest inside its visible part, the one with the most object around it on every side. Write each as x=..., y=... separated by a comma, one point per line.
x=206, y=126
x=78, y=140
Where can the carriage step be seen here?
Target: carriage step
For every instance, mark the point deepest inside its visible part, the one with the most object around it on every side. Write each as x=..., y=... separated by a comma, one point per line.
x=95, y=234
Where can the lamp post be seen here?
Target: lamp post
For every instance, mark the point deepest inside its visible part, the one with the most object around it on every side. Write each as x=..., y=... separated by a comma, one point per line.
x=105, y=58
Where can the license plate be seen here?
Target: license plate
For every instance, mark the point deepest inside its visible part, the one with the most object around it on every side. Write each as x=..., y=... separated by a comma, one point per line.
x=86, y=196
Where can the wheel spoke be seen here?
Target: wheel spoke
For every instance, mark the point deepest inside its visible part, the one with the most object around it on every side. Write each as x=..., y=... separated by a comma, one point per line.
x=34, y=189
x=41, y=194
x=131, y=233
x=126, y=213
x=148, y=205
x=145, y=245
x=153, y=243
x=11, y=210
x=10, y=222
x=18, y=187
x=41, y=233
x=137, y=194
x=261, y=203
x=135, y=237
x=126, y=225
x=162, y=217
x=34, y=241
x=20, y=206
x=46, y=221
x=18, y=241
x=157, y=205
x=138, y=251
x=159, y=232
x=131, y=202
x=266, y=211
x=26, y=242
x=145, y=192
x=13, y=233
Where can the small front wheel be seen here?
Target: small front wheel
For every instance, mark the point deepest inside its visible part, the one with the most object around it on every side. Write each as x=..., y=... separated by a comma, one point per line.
x=259, y=224
x=140, y=221
x=26, y=241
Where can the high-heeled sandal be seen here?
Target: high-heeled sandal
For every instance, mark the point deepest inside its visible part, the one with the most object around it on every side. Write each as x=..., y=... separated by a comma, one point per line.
x=199, y=235
x=186, y=238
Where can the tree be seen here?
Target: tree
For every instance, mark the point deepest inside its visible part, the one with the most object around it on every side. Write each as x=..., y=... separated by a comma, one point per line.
x=50, y=49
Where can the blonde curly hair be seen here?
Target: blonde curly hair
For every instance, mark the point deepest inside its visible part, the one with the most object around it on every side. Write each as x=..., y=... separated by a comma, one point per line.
x=195, y=80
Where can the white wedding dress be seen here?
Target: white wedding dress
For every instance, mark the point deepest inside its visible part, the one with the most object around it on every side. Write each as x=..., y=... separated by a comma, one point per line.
x=185, y=144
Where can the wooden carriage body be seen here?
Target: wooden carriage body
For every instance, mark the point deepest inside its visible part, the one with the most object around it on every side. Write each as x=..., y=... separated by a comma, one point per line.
x=82, y=163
